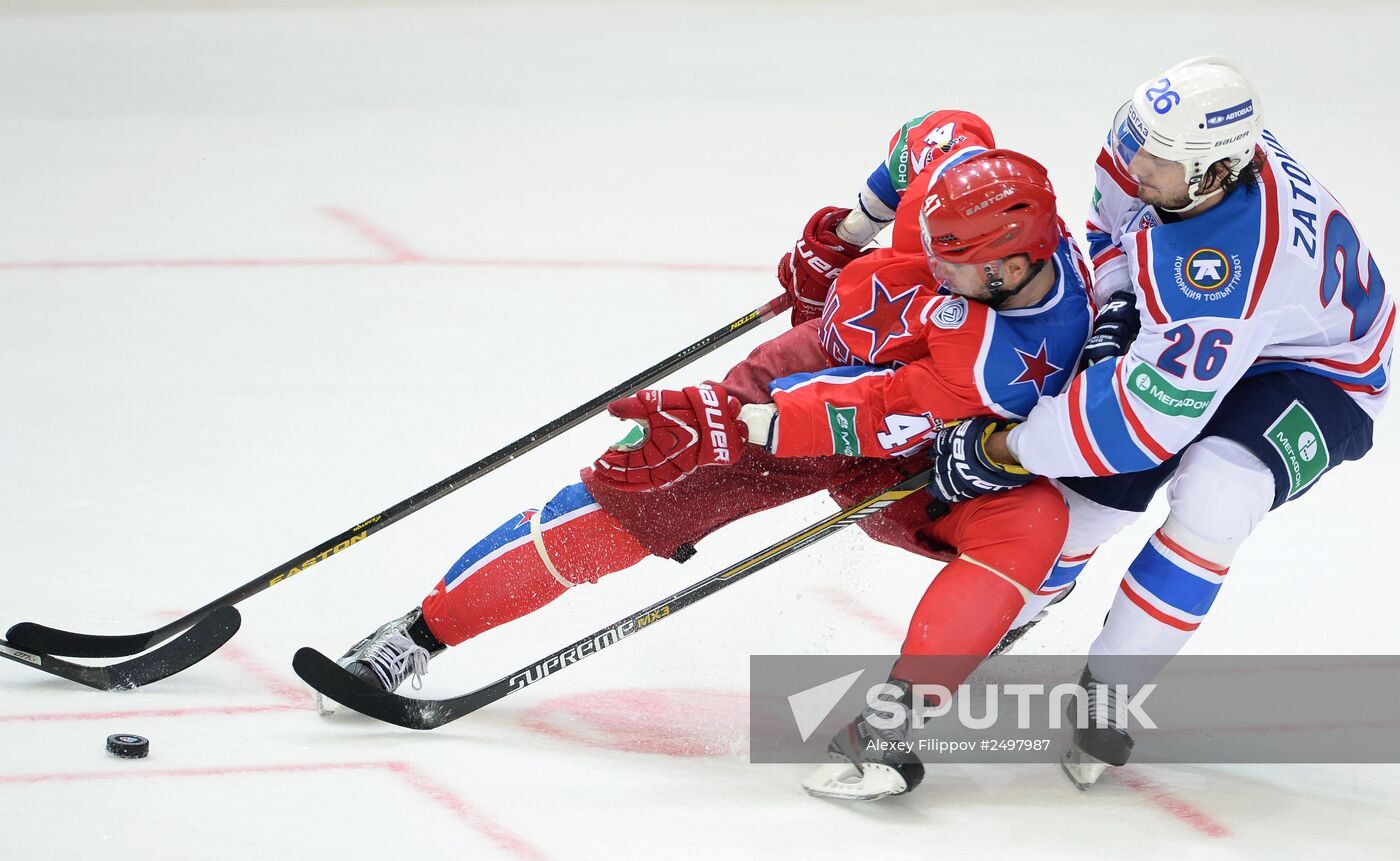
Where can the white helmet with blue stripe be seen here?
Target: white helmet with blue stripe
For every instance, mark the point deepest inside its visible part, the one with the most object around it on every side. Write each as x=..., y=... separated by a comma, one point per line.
x=1195, y=113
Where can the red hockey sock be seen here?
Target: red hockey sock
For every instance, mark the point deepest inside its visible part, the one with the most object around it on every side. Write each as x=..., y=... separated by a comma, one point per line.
x=503, y=576
x=1007, y=544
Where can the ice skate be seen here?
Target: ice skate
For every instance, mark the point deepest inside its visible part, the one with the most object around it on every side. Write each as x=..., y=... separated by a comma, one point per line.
x=869, y=763
x=1094, y=748
x=397, y=651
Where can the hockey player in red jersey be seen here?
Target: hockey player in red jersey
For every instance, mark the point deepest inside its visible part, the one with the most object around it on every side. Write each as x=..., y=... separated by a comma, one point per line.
x=988, y=317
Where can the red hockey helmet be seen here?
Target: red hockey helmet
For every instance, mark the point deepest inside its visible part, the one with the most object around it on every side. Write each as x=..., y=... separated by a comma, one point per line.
x=995, y=204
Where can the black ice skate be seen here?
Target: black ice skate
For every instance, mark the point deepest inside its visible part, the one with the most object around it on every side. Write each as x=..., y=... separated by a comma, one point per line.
x=869, y=763
x=1094, y=748
x=1017, y=633
x=396, y=651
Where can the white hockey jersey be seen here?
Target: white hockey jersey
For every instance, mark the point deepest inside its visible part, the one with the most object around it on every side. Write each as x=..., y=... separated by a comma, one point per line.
x=1273, y=277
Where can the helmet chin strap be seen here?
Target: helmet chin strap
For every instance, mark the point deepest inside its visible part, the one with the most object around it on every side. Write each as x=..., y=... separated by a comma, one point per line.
x=996, y=295
x=1191, y=185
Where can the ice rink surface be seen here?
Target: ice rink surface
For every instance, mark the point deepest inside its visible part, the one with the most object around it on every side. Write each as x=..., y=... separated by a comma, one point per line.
x=268, y=268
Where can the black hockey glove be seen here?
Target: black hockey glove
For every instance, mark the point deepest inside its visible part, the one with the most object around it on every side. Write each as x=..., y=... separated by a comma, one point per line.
x=961, y=468
x=1115, y=327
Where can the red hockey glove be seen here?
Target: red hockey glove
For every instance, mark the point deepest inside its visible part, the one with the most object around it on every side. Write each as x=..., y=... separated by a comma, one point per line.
x=697, y=426
x=808, y=271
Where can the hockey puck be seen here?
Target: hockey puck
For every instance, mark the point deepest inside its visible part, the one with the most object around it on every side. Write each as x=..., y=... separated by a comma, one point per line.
x=128, y=746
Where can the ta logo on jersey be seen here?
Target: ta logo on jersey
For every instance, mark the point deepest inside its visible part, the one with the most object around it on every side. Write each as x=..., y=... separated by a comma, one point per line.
x=1036, y=368
x=1207, y=269
x=1207, y=274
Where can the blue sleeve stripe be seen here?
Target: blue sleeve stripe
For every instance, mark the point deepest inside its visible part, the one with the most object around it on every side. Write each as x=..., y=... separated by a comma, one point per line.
x=1062, y=575
x=567, y=501
x=1377, y=379
x=1098, y=242
x=882, y=186
x=860, y=201
x=844, y=374
x=513, y=532
x=1171, y=584
x=962, y=156
x=1108, y=425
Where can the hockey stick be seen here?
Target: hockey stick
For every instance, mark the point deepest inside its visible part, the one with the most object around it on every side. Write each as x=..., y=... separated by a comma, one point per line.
x=34, y=637
x=335, y=683
x=196, y=644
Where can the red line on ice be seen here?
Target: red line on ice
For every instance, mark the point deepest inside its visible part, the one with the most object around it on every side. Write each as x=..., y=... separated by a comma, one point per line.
x=676, y=722
x=847, y=600
x=466, y=262
x=398, y=251
x=441, y=795
x=292, y=696
x=445, y=797
x=152, y=713
x=194, y=263
x=290, y=693
x=1173, y=804
x=400, y=254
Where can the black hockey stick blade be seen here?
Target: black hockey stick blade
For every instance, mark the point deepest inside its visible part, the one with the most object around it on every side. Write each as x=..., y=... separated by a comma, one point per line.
x=33, y=637
x=332, y=681
x=42, y=638
x=181, y=653
x=328, y=677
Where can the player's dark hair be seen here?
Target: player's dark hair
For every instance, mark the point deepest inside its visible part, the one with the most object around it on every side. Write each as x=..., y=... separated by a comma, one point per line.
x=1248, y=177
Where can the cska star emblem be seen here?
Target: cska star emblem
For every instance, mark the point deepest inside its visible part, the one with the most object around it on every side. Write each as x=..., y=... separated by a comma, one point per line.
x=887, y=318
x=1036, y=368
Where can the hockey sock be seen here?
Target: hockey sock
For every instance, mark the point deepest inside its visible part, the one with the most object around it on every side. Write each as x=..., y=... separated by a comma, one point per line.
x=964, y=613
x=1162, y=599
x=1006, y=544
x=527, y=562
x=1220, y=492
x=1061, y=577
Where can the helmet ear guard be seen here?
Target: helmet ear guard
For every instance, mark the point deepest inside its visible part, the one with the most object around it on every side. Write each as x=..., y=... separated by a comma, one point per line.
x=1196, y=113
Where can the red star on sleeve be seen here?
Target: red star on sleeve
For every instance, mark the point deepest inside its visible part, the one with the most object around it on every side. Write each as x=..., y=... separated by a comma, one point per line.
x=1038, y=368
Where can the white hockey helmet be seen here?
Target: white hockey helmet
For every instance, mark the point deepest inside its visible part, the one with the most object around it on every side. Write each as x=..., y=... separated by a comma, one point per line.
x=1195, y=113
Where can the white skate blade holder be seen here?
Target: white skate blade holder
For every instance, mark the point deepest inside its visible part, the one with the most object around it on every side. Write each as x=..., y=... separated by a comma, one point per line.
x=1082, y=769
x=844, y=782
x=325, y=707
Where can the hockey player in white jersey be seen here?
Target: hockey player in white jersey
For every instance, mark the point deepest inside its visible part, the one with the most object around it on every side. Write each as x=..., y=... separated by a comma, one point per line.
x=1263, y=357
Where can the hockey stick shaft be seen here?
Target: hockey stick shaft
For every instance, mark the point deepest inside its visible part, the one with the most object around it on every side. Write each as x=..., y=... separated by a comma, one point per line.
x=662, y=609
x=325, y=676
x=40, y=638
